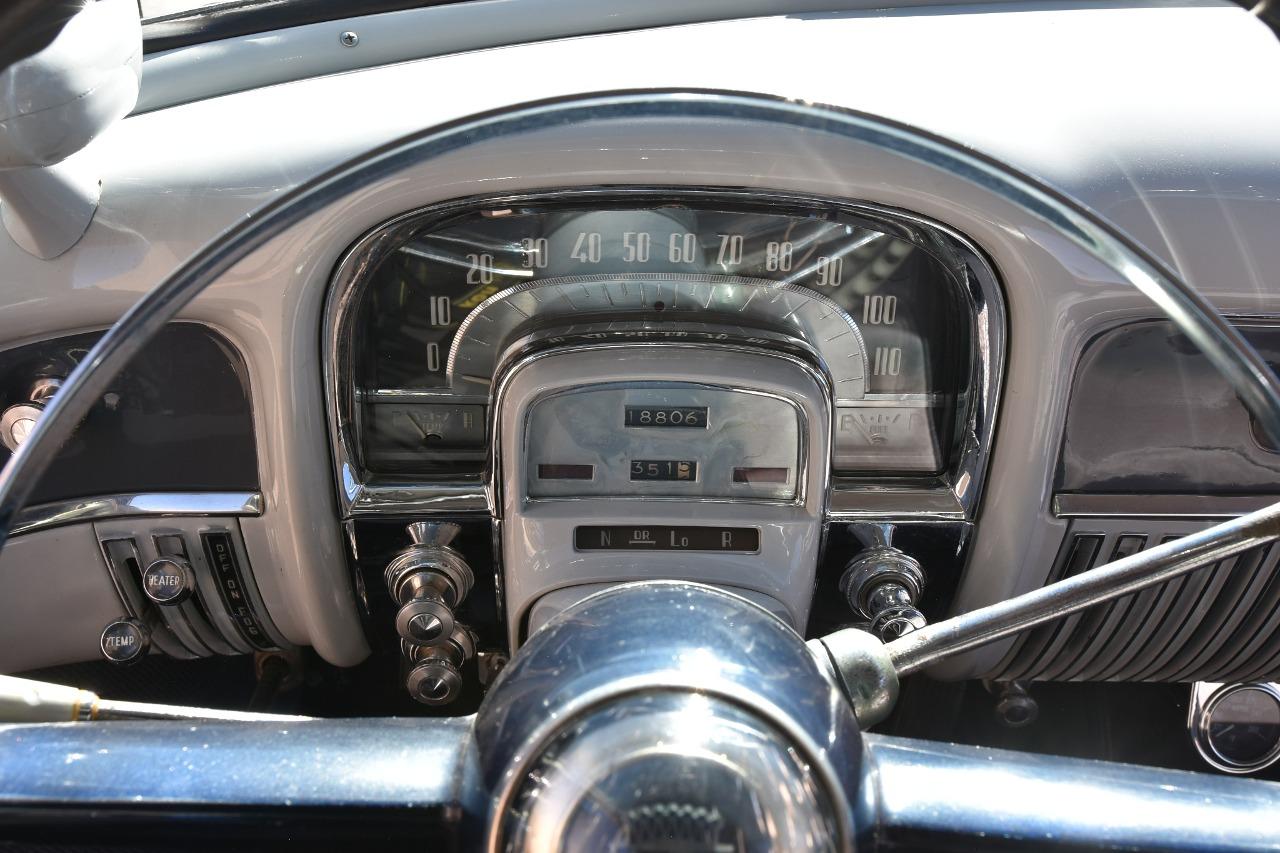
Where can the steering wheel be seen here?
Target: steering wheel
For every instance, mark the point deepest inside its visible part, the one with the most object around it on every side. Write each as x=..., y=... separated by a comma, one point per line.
x=613, y=726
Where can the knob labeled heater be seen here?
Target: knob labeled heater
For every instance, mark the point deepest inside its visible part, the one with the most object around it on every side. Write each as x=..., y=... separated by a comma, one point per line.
x=882, y=585
x=428, y=580
x=125, y=641
x=435, y=671
x=168, y=581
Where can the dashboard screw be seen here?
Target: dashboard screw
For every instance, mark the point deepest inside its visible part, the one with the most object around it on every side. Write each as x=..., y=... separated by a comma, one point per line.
x=349, y=39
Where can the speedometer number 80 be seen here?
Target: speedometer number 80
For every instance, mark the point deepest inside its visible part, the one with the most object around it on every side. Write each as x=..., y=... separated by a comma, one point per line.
x=777, y=256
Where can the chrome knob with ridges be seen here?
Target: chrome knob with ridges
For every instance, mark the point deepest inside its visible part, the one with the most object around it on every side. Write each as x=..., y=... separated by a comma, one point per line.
x=435, y=671
x=883, y=586
x=428, y=580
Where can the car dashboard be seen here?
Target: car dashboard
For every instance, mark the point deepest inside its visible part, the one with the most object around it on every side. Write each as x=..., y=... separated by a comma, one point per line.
x=717, y=340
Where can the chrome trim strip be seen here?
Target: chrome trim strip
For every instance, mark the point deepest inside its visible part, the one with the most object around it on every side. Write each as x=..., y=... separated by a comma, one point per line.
x=155, y=504
x=1085, y=505
x=851, y=502
x=468, y=497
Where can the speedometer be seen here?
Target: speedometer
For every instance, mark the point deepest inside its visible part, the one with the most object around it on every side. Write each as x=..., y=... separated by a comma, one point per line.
x=450, y=298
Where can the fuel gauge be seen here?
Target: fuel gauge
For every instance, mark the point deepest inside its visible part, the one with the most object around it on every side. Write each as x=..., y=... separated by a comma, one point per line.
x=418, y=435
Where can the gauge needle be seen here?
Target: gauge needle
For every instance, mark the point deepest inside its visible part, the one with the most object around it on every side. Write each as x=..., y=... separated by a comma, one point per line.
x=414, y=420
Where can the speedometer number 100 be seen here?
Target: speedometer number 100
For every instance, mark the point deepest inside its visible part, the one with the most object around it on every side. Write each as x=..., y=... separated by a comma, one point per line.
x=880, y=310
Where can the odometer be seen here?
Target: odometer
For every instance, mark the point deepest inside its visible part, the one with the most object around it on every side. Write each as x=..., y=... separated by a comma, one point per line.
x=677, y=417
x=456, y=297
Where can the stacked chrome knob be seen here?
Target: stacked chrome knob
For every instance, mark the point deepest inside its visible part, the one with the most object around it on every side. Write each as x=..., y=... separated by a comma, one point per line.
x=435, y=673
x=882, y=584
x=428, y=580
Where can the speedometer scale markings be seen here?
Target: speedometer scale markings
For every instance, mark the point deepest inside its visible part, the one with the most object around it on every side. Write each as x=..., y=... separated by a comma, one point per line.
x=807, y=316
x=883, y=319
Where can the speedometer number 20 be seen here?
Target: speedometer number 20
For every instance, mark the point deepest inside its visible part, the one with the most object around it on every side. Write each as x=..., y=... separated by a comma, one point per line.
x=480, y=269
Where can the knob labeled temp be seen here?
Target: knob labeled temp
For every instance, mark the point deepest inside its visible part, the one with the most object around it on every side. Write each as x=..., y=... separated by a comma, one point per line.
x=125, y=641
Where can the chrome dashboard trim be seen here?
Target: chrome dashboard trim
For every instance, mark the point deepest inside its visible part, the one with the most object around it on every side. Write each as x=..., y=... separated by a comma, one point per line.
x=1089, y=505
x=850, y=502
x=952, y=496
x=154, y=504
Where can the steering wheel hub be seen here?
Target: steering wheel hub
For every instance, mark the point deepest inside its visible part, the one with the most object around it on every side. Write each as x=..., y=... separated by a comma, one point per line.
x=668, y=714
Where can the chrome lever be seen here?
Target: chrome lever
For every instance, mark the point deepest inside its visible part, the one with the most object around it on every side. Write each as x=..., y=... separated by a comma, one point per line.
x=869, y=672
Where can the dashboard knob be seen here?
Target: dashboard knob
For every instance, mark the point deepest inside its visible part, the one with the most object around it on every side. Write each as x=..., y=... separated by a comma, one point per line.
x=428, y=580
x=18, y=420
x=434, y=682
x=168, y=581
x=882, y=585
x=424, y=620
x=125, y=641
x=435, y=671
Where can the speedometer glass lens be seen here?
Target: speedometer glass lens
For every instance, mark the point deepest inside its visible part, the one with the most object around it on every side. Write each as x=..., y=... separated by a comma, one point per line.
x=458, y=297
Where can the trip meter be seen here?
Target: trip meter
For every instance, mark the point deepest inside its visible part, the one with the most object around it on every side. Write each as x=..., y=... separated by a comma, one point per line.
x=450, y=298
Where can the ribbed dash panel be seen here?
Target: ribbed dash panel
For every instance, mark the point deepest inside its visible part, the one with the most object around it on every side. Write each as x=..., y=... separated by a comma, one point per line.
x=1218, y=623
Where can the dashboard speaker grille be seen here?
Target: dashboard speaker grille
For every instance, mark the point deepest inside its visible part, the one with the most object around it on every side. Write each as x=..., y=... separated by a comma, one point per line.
x=1218, y=623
